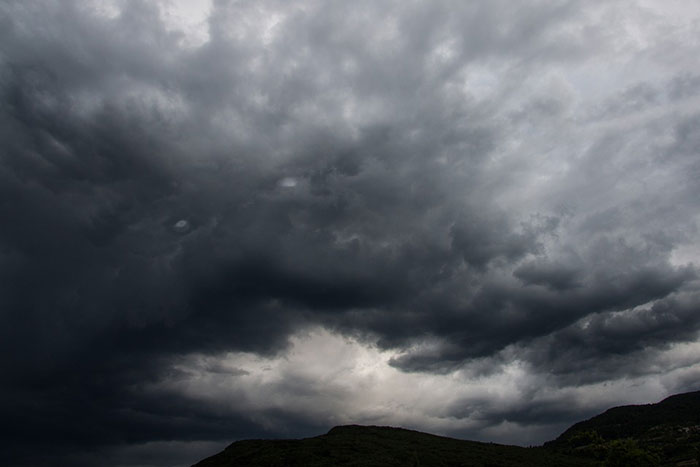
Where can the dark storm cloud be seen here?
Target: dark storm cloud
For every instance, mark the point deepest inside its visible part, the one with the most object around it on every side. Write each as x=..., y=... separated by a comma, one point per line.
x=603, y=346
x=684, y=86
x=395, y=172
x=555, y=276
x=547, y=411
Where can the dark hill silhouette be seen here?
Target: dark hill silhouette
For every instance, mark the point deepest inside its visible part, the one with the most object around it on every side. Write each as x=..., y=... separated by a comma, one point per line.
x=631, y=421
x=665, y=433
x=662, y=434
x=371, y=446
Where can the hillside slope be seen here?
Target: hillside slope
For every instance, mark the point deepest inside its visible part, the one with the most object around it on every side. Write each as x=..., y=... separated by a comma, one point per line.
x=370, y=446
x=662, y=434
x=665, y=433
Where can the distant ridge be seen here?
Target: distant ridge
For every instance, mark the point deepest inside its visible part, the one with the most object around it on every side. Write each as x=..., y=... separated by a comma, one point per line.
x=662, y=434
x=630, y=421
x=665, y=433
x=375, y=446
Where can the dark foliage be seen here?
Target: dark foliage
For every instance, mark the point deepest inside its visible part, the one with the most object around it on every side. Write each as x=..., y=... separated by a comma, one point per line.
x=666, y=433
x=663, y=434
x=381, y=447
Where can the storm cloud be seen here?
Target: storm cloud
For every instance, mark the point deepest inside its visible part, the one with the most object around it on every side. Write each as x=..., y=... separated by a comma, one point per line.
x=224, y=220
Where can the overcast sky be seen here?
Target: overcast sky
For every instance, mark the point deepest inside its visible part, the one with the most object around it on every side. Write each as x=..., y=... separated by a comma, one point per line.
x=235, y=219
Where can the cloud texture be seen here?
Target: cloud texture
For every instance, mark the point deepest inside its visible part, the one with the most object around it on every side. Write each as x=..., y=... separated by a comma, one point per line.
x=240, y=219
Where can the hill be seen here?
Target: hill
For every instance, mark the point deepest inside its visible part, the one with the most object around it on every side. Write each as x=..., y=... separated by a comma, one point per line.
x=665, y=433
x=371, y=446
x=662, y=434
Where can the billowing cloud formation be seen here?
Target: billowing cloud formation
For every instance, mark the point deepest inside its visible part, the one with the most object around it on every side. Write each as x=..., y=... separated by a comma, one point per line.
x=475, y=194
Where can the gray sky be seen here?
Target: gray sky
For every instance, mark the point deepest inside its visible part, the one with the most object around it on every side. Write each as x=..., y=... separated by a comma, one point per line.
x=226, y=220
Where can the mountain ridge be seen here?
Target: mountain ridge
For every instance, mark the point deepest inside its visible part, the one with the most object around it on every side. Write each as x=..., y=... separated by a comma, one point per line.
x=666, y=433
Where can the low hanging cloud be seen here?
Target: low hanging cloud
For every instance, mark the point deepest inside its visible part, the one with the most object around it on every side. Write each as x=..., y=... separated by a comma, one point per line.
x=459, y=198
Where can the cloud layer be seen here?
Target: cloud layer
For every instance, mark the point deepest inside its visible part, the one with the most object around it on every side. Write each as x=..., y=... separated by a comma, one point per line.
x=240, y=219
